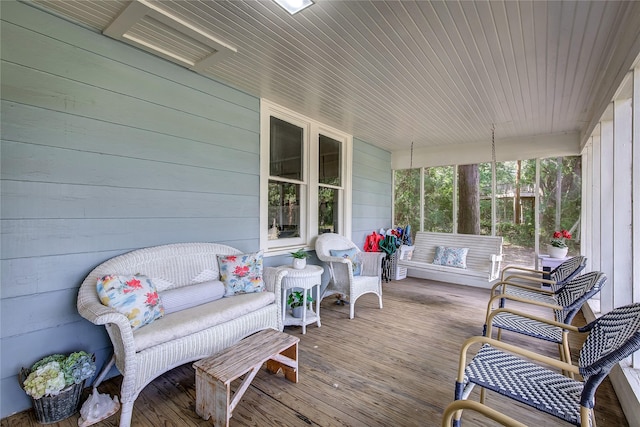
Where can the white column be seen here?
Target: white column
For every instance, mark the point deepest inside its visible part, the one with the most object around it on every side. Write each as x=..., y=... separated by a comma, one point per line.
x=455, y=198
x=586, y=222
x=636, y=196
x=622, y=230
x=536, y=213
x=596, y=198
x=421, y=228
x=606, y=213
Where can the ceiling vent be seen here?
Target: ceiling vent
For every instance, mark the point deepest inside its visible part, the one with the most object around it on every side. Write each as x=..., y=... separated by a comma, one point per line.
x=150, y=28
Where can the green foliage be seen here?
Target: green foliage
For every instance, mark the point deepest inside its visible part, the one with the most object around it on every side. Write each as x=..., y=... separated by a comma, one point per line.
x=517, y=234
x=300, y=254
x=407, y=198
x=438, y=204
x=296, y=299
x=78, y=367
x=559, y=199
x=560, y=182
x=49, y=375
x=327, y=202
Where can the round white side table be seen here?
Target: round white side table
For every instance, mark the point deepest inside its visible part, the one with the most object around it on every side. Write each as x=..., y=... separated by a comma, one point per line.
x=306, y=279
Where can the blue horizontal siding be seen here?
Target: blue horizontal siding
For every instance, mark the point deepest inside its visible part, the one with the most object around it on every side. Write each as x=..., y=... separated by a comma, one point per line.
x=106, y=149
x=371, y=181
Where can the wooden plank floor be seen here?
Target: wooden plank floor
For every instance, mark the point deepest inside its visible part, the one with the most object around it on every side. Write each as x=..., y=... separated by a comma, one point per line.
x=389, y=367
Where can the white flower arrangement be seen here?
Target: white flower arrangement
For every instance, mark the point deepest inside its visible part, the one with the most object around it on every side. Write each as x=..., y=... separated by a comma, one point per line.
x=47, y=380
x=50, y=375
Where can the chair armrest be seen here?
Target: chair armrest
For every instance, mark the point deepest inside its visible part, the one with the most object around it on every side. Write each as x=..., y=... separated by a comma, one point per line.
x=527, y=301
x=496, y=259
x=371, y=263
x=523, y=300
x=519, y=268
x=272, y=277
x=90, y=307
x=504, y=284
x=530, y=279
x=118, y=327
x=337, y=259
x=561, y=325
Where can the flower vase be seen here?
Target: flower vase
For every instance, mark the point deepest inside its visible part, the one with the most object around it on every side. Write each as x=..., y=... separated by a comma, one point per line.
x=53, y=409
x=297, y=312
x=555, y=252
x=299, y=263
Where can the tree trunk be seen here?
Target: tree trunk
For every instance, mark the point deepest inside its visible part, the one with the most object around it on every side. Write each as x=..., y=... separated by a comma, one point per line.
x=468, y=199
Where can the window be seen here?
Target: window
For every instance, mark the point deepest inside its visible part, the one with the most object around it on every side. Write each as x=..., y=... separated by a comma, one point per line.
x=329, y=184
x=305, y=188
x=560, y=200
x=438, y=199
x=287, y=186
x=448, y=192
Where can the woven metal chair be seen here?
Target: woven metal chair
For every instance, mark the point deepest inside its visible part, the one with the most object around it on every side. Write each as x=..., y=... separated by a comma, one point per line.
x=343, y=281
x=526, y=376
x=569, y=301
x=525, y=282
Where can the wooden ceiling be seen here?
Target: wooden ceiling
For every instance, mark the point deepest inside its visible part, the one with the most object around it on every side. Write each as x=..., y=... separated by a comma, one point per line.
x=395, y=72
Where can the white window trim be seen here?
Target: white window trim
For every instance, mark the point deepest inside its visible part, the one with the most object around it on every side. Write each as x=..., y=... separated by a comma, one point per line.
x=308, y=211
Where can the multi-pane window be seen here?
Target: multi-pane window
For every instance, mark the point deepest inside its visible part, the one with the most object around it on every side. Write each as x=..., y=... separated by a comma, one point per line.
x=329, y=184
x=561, y=199
x=438, y=199
x=286, y=184
x=442, y=195
x=304, y=190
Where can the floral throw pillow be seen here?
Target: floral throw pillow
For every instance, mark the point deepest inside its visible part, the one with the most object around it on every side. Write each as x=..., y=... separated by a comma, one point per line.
x=134, y=296
x=451, y=257
x=349, y=254
x=242, y=273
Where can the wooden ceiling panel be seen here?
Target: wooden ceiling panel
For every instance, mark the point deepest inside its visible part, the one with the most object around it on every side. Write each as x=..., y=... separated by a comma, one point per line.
x=396, y=72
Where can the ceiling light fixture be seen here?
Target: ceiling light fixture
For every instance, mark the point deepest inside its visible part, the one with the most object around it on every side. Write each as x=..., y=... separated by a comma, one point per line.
x=294, y=6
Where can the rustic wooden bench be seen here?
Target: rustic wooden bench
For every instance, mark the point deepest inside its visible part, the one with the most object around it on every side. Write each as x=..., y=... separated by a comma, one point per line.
x=483, y=259
x=215, y=374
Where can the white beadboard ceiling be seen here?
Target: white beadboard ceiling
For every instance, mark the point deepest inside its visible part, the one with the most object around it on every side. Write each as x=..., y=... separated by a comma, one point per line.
x=396, y=72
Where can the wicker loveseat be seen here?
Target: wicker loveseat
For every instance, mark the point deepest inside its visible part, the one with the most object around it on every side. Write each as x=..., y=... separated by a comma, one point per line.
x=180, y=337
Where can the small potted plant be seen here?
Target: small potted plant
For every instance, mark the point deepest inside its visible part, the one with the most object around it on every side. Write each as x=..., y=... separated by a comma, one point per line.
x=55, y=384
x=295, y=300
x=558, y=247
x=300, y=259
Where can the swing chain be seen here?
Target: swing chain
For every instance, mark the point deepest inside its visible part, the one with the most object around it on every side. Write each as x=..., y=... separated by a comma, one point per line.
x=493, y=143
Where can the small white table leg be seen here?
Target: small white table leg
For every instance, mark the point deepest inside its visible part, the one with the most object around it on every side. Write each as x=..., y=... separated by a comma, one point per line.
x=304, y=311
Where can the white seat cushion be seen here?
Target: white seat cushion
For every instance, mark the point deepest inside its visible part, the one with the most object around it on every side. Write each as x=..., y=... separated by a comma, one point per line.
x=195, y=319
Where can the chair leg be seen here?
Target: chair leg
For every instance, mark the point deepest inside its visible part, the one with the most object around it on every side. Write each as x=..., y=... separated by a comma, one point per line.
x=457, y=419
x=565, y=353
x=126, y=411
x=587, y=417
x=105, y=370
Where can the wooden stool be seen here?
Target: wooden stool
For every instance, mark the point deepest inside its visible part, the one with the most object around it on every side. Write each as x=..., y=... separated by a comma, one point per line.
x=215, y=374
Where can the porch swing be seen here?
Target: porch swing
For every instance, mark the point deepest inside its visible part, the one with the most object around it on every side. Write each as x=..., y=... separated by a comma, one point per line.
x=477, y=257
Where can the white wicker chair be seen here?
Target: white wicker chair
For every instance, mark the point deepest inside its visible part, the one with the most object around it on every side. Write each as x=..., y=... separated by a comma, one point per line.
x=342, y=279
